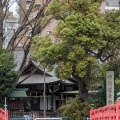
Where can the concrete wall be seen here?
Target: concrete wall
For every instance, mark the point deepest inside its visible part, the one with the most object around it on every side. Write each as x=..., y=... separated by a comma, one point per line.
x=112, y=3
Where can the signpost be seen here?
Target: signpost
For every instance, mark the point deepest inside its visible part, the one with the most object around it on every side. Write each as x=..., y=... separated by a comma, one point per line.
x=110, y=87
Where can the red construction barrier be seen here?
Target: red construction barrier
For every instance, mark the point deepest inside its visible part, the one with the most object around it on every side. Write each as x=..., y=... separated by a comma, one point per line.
x=110, y=112
x=0, y=114
x=3, y=114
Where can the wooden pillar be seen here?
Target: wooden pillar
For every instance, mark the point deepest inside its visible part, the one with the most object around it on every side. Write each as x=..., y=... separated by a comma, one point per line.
x=52, y=101
x=51, y=98
x=62, y=99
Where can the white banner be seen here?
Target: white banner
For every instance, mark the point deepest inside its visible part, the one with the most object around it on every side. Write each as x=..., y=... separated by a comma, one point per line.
x=110, y=87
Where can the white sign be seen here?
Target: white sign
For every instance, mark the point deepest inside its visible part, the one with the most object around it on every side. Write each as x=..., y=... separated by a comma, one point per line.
x=110, y=87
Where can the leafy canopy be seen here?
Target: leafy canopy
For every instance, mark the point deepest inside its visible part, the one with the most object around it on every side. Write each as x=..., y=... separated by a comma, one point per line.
x=75, y=109
x=8, y=74
x=84, y=37
x=81, y=36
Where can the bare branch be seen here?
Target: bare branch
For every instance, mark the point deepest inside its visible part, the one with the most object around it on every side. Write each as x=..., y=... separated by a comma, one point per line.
x=106, y=58
x=28, y=75
x=6, y=6
x=71, y=5
x=22, y=27
x=5, y=2
x=26, y=17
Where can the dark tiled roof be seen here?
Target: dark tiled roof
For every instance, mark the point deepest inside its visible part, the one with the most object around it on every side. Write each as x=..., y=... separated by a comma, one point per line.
x=39, y=79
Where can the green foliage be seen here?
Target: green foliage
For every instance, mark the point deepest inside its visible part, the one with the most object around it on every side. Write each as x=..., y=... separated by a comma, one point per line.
x=60, y=9
x=75, y=109
x=85, y=37
x=115, y=66
x=7, y=73
x=99, y=99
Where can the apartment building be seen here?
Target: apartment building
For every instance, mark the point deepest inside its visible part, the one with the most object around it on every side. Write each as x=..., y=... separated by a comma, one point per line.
x=112, y=5
x=11, y=22
x=16, y=16
x=52, y=24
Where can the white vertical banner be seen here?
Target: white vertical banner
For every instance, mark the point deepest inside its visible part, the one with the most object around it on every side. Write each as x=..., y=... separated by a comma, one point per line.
x=110, y=87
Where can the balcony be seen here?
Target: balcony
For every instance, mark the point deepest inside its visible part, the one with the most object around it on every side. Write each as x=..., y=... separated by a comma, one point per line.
x=109, y=8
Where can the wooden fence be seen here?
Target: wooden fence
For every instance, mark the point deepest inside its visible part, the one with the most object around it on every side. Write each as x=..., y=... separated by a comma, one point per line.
x=33, y=114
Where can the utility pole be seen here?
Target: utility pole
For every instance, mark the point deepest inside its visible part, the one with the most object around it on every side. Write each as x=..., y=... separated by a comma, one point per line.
x=44, y=96
x=5, y=108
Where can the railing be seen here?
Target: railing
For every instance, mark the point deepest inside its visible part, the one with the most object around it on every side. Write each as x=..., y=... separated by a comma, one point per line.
x=33, y=114
x=15, y=114
x=3, y=114
x=110, y=112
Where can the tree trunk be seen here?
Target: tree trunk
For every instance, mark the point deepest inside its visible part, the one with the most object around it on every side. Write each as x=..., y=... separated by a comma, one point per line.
x=83, y=92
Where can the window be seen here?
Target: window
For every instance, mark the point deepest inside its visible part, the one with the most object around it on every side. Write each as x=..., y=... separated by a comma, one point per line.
x=106, y=3
x=119, y=3
x=28, y=33
x=49, y=32
x=9, y=30
x=51, y=21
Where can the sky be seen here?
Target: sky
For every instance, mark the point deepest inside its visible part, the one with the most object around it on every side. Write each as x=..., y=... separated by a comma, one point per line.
x=13, y=7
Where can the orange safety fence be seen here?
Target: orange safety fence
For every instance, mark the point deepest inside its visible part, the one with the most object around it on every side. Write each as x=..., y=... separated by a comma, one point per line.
x=110, y=112
x=3, y=114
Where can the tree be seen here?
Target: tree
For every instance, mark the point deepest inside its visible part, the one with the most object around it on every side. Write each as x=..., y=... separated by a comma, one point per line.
x=84, y=39
x=26, y=24
x=75, y=109
x=8, y=74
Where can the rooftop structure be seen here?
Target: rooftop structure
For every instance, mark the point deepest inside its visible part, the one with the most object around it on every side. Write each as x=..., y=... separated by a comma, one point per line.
x=112, y=5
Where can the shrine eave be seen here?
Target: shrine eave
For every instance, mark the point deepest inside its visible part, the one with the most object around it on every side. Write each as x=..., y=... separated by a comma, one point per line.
x=37, y=79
